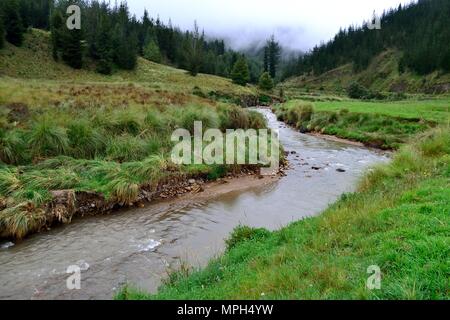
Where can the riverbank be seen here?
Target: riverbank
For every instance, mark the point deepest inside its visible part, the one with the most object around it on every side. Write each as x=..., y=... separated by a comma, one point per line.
x=397, y=221
x=385, y=129
x=67, y=205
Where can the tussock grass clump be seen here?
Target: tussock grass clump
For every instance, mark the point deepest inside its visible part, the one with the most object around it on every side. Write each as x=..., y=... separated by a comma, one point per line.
x=299, y=113
x=12, y=147
x=233, y=118
x=256, y=120
x=243, y=233
x=126, y=148
x=187, y=116
x=85, y=141
x=148, y=169
x=21, y=219
x=46, y=138
x=127, y=122
x=124, y=191
x=155, y=122
x=9, y=182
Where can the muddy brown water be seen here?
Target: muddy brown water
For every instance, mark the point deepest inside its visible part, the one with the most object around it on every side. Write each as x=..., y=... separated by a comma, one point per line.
x=138, y=246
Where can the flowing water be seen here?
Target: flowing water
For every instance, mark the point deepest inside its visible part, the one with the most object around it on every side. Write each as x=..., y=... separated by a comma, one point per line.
x=138, y=246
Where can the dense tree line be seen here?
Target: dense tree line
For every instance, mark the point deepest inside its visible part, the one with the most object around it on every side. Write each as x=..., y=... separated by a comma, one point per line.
x=420, y=30
x=114, y=38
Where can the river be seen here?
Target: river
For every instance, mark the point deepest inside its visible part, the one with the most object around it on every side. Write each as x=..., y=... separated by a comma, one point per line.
x=138, y=246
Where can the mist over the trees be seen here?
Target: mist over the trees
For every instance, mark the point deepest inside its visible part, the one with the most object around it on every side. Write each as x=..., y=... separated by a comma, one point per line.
x=298, y=25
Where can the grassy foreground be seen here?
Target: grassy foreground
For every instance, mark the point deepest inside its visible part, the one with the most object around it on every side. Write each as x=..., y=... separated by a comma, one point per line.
x=398, y=220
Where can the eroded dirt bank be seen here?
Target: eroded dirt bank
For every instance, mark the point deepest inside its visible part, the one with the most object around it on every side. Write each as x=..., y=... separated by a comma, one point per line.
x=67, y=205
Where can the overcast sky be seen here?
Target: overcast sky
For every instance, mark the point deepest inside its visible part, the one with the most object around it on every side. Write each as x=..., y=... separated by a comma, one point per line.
x=298, y=24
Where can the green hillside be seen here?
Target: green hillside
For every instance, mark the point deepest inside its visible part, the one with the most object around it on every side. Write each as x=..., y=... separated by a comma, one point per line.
x=381, y=75
x=34, y=61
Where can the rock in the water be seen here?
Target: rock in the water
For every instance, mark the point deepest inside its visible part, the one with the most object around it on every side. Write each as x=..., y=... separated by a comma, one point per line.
x=84, y=266
x=7, y=245
x=316, y=168
x=340, y=170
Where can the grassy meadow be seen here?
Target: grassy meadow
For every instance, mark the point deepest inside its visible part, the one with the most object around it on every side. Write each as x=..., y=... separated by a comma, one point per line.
x=382, y=124
x=65, y=129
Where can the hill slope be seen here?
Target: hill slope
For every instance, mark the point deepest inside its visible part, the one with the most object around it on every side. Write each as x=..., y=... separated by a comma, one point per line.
x=381, y=75
x=34, y=61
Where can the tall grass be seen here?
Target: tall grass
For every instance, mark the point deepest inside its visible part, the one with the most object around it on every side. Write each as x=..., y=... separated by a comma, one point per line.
x=12, y=147
x=111, y=151
x=85, y=141
x=46, y=138
x=187, y=116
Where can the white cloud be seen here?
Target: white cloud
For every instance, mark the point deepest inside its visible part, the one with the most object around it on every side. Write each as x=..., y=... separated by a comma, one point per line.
x=298, y=24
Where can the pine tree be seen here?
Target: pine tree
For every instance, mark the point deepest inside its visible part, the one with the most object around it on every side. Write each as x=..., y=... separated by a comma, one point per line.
x=266, y=59
x=104, y=49
x=274, y=51
x=152, y=52
x=56, y=30
x=240, y=73
x=2, y=32
x=13, y=23
x=194, y=52
x=265, y=82
x=125, y=49
x=445, y=61
x=72, y=52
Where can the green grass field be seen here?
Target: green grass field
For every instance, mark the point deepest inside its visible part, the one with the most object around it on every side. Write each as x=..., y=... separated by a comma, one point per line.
x=431, y=109
x=437, y=110
x=379, y=124
x=398, y=220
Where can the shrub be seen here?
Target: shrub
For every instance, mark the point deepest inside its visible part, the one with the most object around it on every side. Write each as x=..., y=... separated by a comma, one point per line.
x=265, y=82
x=358, y=91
